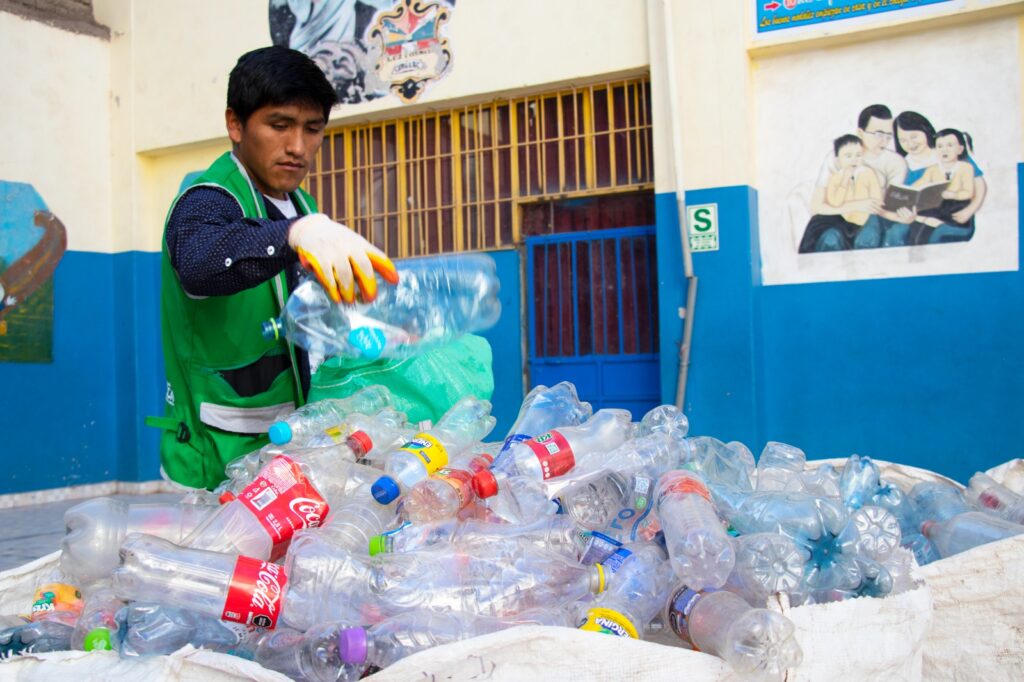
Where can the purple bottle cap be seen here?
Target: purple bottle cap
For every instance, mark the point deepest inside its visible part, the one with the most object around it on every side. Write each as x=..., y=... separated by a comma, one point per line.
x=352, y=645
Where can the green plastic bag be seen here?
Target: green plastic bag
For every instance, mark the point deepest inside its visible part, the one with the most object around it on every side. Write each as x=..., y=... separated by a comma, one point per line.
x=423, y=386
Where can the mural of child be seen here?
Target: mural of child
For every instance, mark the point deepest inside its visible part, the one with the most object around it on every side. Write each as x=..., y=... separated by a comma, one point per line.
x=953, y=221
x=852, y=182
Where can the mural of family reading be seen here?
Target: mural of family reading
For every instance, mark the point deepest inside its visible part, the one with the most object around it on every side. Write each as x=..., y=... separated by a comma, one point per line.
x=895, y=181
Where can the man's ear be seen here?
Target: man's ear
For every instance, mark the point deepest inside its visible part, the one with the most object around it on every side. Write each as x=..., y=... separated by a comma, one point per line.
x=234, y=125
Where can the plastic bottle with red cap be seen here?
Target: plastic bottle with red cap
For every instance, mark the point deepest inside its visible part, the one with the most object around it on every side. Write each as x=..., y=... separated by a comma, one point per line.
x=466, y=423
x=543, y=409
x=557, y=452
x=96, y=529
x=313, y=419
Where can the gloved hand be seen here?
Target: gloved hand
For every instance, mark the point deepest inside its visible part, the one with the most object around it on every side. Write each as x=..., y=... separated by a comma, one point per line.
x=339, y=258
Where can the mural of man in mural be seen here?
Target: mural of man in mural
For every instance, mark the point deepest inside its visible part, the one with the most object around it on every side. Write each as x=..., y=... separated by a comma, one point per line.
x=923, y=192
x=366, y=58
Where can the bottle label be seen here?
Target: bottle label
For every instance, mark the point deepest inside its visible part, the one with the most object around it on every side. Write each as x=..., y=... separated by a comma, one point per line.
x=609, y=622
x=56, y=598
x=338, y=433
x=554, y=454
x=460, y=481
x=430, y=451
x=254, y=594
x=597, y=548
x=685, y=485
x=615, y=560
x=283, y=500
x=512, y=440
x=679, y=608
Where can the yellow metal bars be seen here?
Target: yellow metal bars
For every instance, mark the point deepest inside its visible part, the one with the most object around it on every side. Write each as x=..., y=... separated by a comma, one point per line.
x=443, y=181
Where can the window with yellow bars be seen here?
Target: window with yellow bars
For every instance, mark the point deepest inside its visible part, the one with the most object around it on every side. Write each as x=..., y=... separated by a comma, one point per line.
x=452, y=180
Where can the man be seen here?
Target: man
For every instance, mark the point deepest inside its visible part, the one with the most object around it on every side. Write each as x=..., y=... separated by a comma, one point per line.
x=826, y=231
x=232, y=244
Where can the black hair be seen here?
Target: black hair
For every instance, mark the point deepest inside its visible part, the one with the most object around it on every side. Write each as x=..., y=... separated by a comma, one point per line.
x=275, y=76
x=911, y=120
x=963, y=138
x=844, y=140
x=874, y=111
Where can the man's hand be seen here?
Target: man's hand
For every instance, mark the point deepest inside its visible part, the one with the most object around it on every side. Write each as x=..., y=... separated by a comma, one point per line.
x=339, y=258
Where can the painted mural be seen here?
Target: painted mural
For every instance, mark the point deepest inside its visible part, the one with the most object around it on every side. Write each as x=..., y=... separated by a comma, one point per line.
x=873, y=176
x=32, y=242
x=368, y=48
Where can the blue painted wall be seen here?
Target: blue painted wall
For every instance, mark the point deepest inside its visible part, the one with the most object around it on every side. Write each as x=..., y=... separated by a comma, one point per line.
x=925, y=371
x=506, y=344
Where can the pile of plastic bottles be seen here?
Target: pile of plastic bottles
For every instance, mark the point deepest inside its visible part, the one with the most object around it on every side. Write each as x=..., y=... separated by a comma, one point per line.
x=355, y=540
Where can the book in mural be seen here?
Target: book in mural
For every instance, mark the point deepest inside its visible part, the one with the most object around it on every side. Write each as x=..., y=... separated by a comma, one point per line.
x=32, y=242
x=369, y=48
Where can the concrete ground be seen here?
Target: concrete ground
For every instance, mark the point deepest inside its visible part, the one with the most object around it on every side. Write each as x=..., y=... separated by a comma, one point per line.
x=32, y=531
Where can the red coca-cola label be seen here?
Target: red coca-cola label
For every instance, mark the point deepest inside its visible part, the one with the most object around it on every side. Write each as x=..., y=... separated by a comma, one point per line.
x=284, y=500
x=553, y=453
x=254, y=594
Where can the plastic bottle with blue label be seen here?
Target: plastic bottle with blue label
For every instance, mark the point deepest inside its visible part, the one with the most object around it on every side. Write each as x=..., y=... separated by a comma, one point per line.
x=556, y=453
x=755, y=642
x=437, y=300
x=544, y=409
x=312, y=419
x=616, y=505
x=636, y=592
x=989, y=496
x=466, y=423
x=698, y=545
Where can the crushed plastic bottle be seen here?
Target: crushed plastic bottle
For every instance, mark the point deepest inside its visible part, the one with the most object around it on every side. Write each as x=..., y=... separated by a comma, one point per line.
x=721, y=464
x=152, y=629
x=989, y=496
x=557, y=452
x=437, y=300
x=314, y=419
x=968, y=530
x=755, y=642
x=635, y=594
x=859, y=481
x=555, y=533
x=545, y=409
x=96, y=529
x=780, y=467
x=313, y=656
x=466, y=423
x=698, y=546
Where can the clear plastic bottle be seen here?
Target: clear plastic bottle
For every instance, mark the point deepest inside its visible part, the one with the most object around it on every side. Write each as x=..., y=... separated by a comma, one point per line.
x=878, y=531
x=722, y=464
x=466, y=423
x=404, y=634
x=767, y=564
x=441, y=496
x=780, y=467
x=544, y=409
x=936, y=502
x=35, y=637
x=313, y=419
x=97, y=628
x=965, y=531
x=556, y=533
x=988, y=495
x=490, y=579
x=557, y=452
x=757, y=643
x=313, y=656
x=233, y=588
x=698, y=546
x=616, y=505
x=665, y=419
x=357, y=522
x=437, y=299
x=96, y=529
x=635, y=594
x=152, y=629
x=56, y=606
x=859, y=481
x=387, y=429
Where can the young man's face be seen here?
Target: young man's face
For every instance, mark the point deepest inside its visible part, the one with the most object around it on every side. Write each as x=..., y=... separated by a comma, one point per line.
x=876, y=134
x=277, y=144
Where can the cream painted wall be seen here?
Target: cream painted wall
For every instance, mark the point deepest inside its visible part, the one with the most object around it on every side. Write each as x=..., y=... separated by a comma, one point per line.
x=184, y=50
x=55, y=124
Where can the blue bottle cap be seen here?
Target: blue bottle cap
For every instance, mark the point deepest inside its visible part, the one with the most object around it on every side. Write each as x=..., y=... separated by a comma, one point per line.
x=280, y=433
x=385, y=490
x=368, y=341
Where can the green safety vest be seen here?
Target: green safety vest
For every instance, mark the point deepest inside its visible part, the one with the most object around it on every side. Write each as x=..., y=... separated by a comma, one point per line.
x=206, y=423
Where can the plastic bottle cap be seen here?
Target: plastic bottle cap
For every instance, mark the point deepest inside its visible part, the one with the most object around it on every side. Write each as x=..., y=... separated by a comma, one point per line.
x=280, y=433
x=926, y=528
x=485, y=484
x=362, y=441
x=385, y=490
x=378, y=545
x=352, y=645
x=97, y=639
x=226, y=496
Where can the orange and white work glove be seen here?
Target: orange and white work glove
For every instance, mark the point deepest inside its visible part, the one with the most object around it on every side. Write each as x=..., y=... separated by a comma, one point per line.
x=339, y=258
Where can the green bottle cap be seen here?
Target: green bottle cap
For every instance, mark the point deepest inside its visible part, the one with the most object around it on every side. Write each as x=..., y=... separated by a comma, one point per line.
x=97, y=639
x=378, y=545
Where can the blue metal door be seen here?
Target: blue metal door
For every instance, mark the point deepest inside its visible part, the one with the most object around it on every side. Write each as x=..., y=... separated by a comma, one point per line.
x=592, y=299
